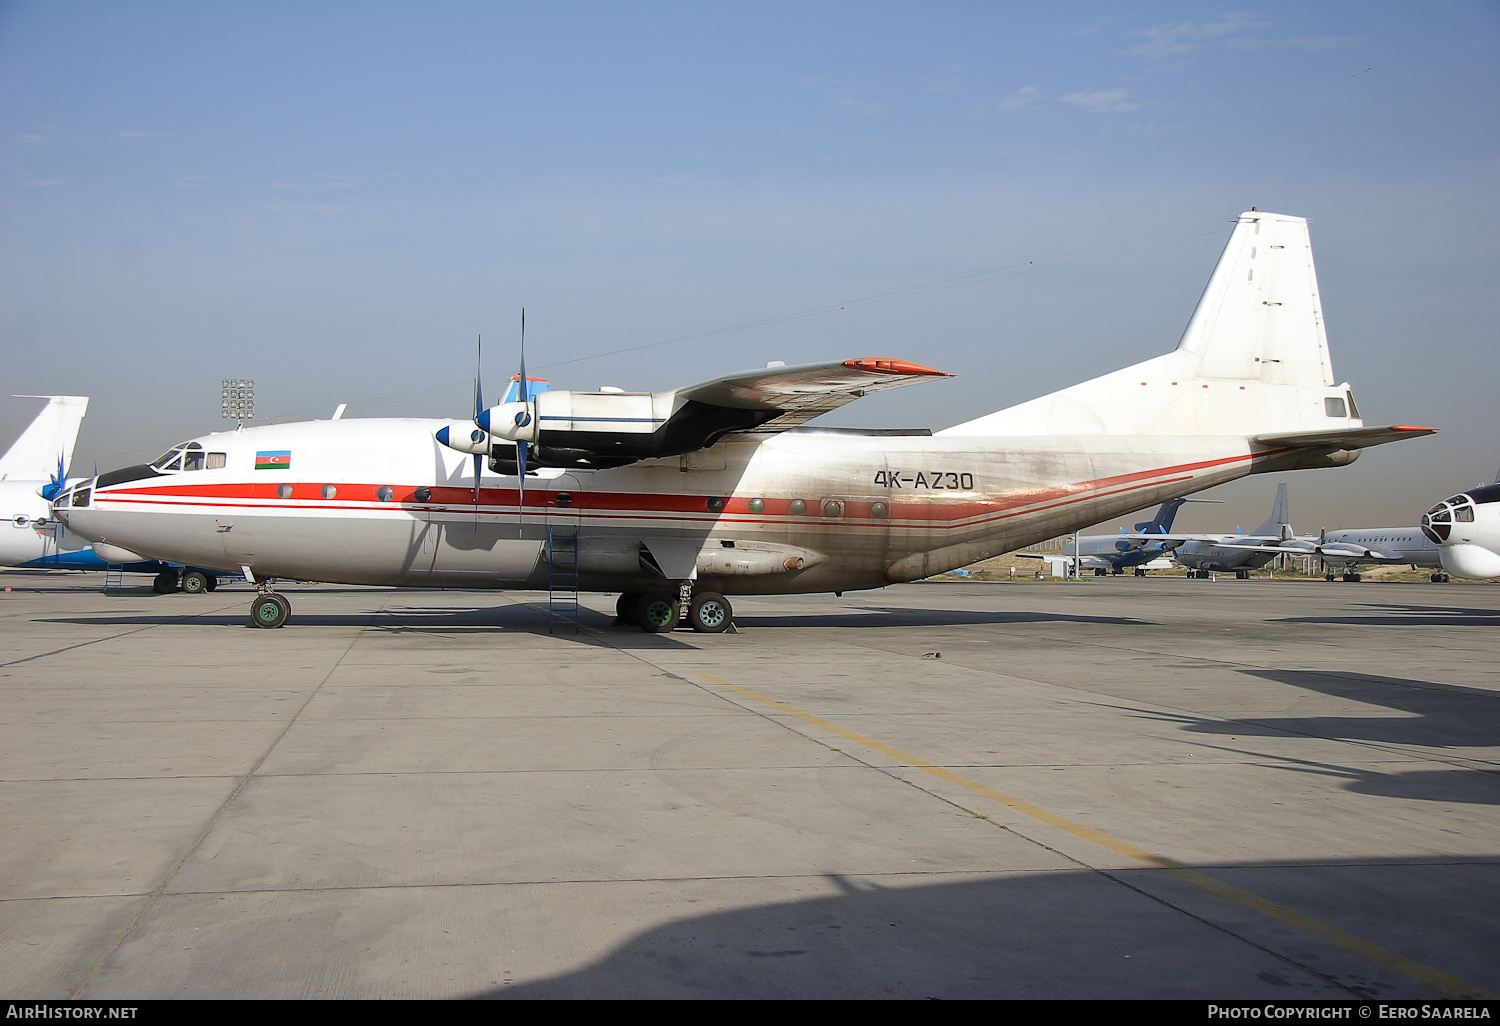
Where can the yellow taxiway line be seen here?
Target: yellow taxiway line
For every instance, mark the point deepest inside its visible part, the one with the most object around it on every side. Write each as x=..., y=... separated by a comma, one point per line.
x=1436, y=978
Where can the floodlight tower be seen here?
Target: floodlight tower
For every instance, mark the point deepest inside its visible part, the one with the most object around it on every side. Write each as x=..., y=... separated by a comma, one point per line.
x=238, y=399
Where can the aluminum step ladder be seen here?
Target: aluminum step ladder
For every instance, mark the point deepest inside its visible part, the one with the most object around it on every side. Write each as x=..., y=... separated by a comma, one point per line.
x=114, y=576
x=562, y=578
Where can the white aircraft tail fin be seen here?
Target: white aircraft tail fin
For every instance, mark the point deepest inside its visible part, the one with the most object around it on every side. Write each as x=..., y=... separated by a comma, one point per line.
x=1253, y=359
x=45, y=449
x=1280, y=523
x=1260, y=317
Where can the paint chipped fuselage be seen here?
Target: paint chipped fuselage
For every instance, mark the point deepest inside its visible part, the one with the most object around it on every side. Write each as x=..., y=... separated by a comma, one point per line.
x=380, y=502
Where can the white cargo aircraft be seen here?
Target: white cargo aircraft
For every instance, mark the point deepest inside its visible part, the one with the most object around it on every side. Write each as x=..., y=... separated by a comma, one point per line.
x=1466, y=529
x=676, y=499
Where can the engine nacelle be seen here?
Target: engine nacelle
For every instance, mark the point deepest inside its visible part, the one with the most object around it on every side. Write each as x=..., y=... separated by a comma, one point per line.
x=465, y=438
x=515, y=422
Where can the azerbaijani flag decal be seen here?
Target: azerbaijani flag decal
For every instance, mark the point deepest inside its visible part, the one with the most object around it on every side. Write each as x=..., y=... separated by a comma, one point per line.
x=278, y=460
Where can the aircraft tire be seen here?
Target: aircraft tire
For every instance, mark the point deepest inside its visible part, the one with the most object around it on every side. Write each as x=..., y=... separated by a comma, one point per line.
x=194, y=583
x=1140, y=571
x=625, y=608
x=710, y=613
x=270, y=611
x=165, y=583
x=656, y=613
x=213, y=582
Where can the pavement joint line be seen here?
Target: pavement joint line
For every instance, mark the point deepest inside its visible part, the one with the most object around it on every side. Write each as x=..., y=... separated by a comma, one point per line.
x=1114, y=876
x=112, y=637
x=214, y=820
x=1410, y=967
x=1416, y=753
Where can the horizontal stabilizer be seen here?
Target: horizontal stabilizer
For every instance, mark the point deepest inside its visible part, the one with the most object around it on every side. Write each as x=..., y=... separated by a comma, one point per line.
x=1344, y=438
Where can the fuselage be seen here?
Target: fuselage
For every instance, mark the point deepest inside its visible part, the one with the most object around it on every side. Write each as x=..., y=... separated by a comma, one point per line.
x=380, y=502
x=1227, y=554
x=1103, y=551
x=1383, y=545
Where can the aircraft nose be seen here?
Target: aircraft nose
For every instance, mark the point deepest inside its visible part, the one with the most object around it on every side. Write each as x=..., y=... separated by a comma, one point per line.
x=1437, y=523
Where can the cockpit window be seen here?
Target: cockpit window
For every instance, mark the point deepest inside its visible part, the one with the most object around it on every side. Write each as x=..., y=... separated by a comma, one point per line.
x=187, y=456
x=1333, y=406
x=1353, y=410
x=1464, y=514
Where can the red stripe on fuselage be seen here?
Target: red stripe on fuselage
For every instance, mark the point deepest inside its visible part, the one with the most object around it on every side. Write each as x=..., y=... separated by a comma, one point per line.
x=656, y=506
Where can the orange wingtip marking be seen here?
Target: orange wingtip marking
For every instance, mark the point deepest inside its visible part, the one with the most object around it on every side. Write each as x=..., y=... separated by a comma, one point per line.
x=1410, y=427
x=883, y=366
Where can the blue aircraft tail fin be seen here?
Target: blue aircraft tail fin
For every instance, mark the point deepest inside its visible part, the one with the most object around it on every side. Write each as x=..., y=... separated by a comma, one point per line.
x=1162, y=522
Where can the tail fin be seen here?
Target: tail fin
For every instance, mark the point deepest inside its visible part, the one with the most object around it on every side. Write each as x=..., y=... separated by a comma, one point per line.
x=45, y=449
x=1162, y=522
x=1253, y=359
x=1280, y=524
x=1260, y=317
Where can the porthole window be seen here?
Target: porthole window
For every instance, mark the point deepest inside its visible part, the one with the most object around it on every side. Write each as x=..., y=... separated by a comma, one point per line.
x=422, y=494
x=21, y=520
x=833, y=508
x=716, y=503
x=878, y=510
x=385, y=493
x=283, y=491
x=757, y=505
x=329, y=491
x=564, y=500
x=798, y=507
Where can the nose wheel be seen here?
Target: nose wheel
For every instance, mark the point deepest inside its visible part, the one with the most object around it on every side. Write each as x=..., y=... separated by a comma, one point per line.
x=270, y=610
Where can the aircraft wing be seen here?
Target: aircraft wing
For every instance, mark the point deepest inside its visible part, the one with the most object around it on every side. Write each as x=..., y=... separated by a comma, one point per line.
x=1344, y=438
x=795, y=395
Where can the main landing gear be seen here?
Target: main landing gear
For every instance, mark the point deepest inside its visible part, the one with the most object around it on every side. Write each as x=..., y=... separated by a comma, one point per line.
x=270, y=610
x=194, y=582
x=660, y=612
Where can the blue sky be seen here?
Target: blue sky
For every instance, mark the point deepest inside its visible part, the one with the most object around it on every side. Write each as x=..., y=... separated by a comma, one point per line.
x=337, y=198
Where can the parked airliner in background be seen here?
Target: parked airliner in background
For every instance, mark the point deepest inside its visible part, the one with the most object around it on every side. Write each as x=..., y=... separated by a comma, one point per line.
x=676, y=499
x=1466, y=529
x=1116, y=553
x=1239, y=552
x=1345, y=551
x=34, y=469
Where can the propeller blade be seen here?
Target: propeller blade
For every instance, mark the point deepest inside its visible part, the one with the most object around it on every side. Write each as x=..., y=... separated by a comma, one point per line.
x=478, y=408
x=521, y=396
